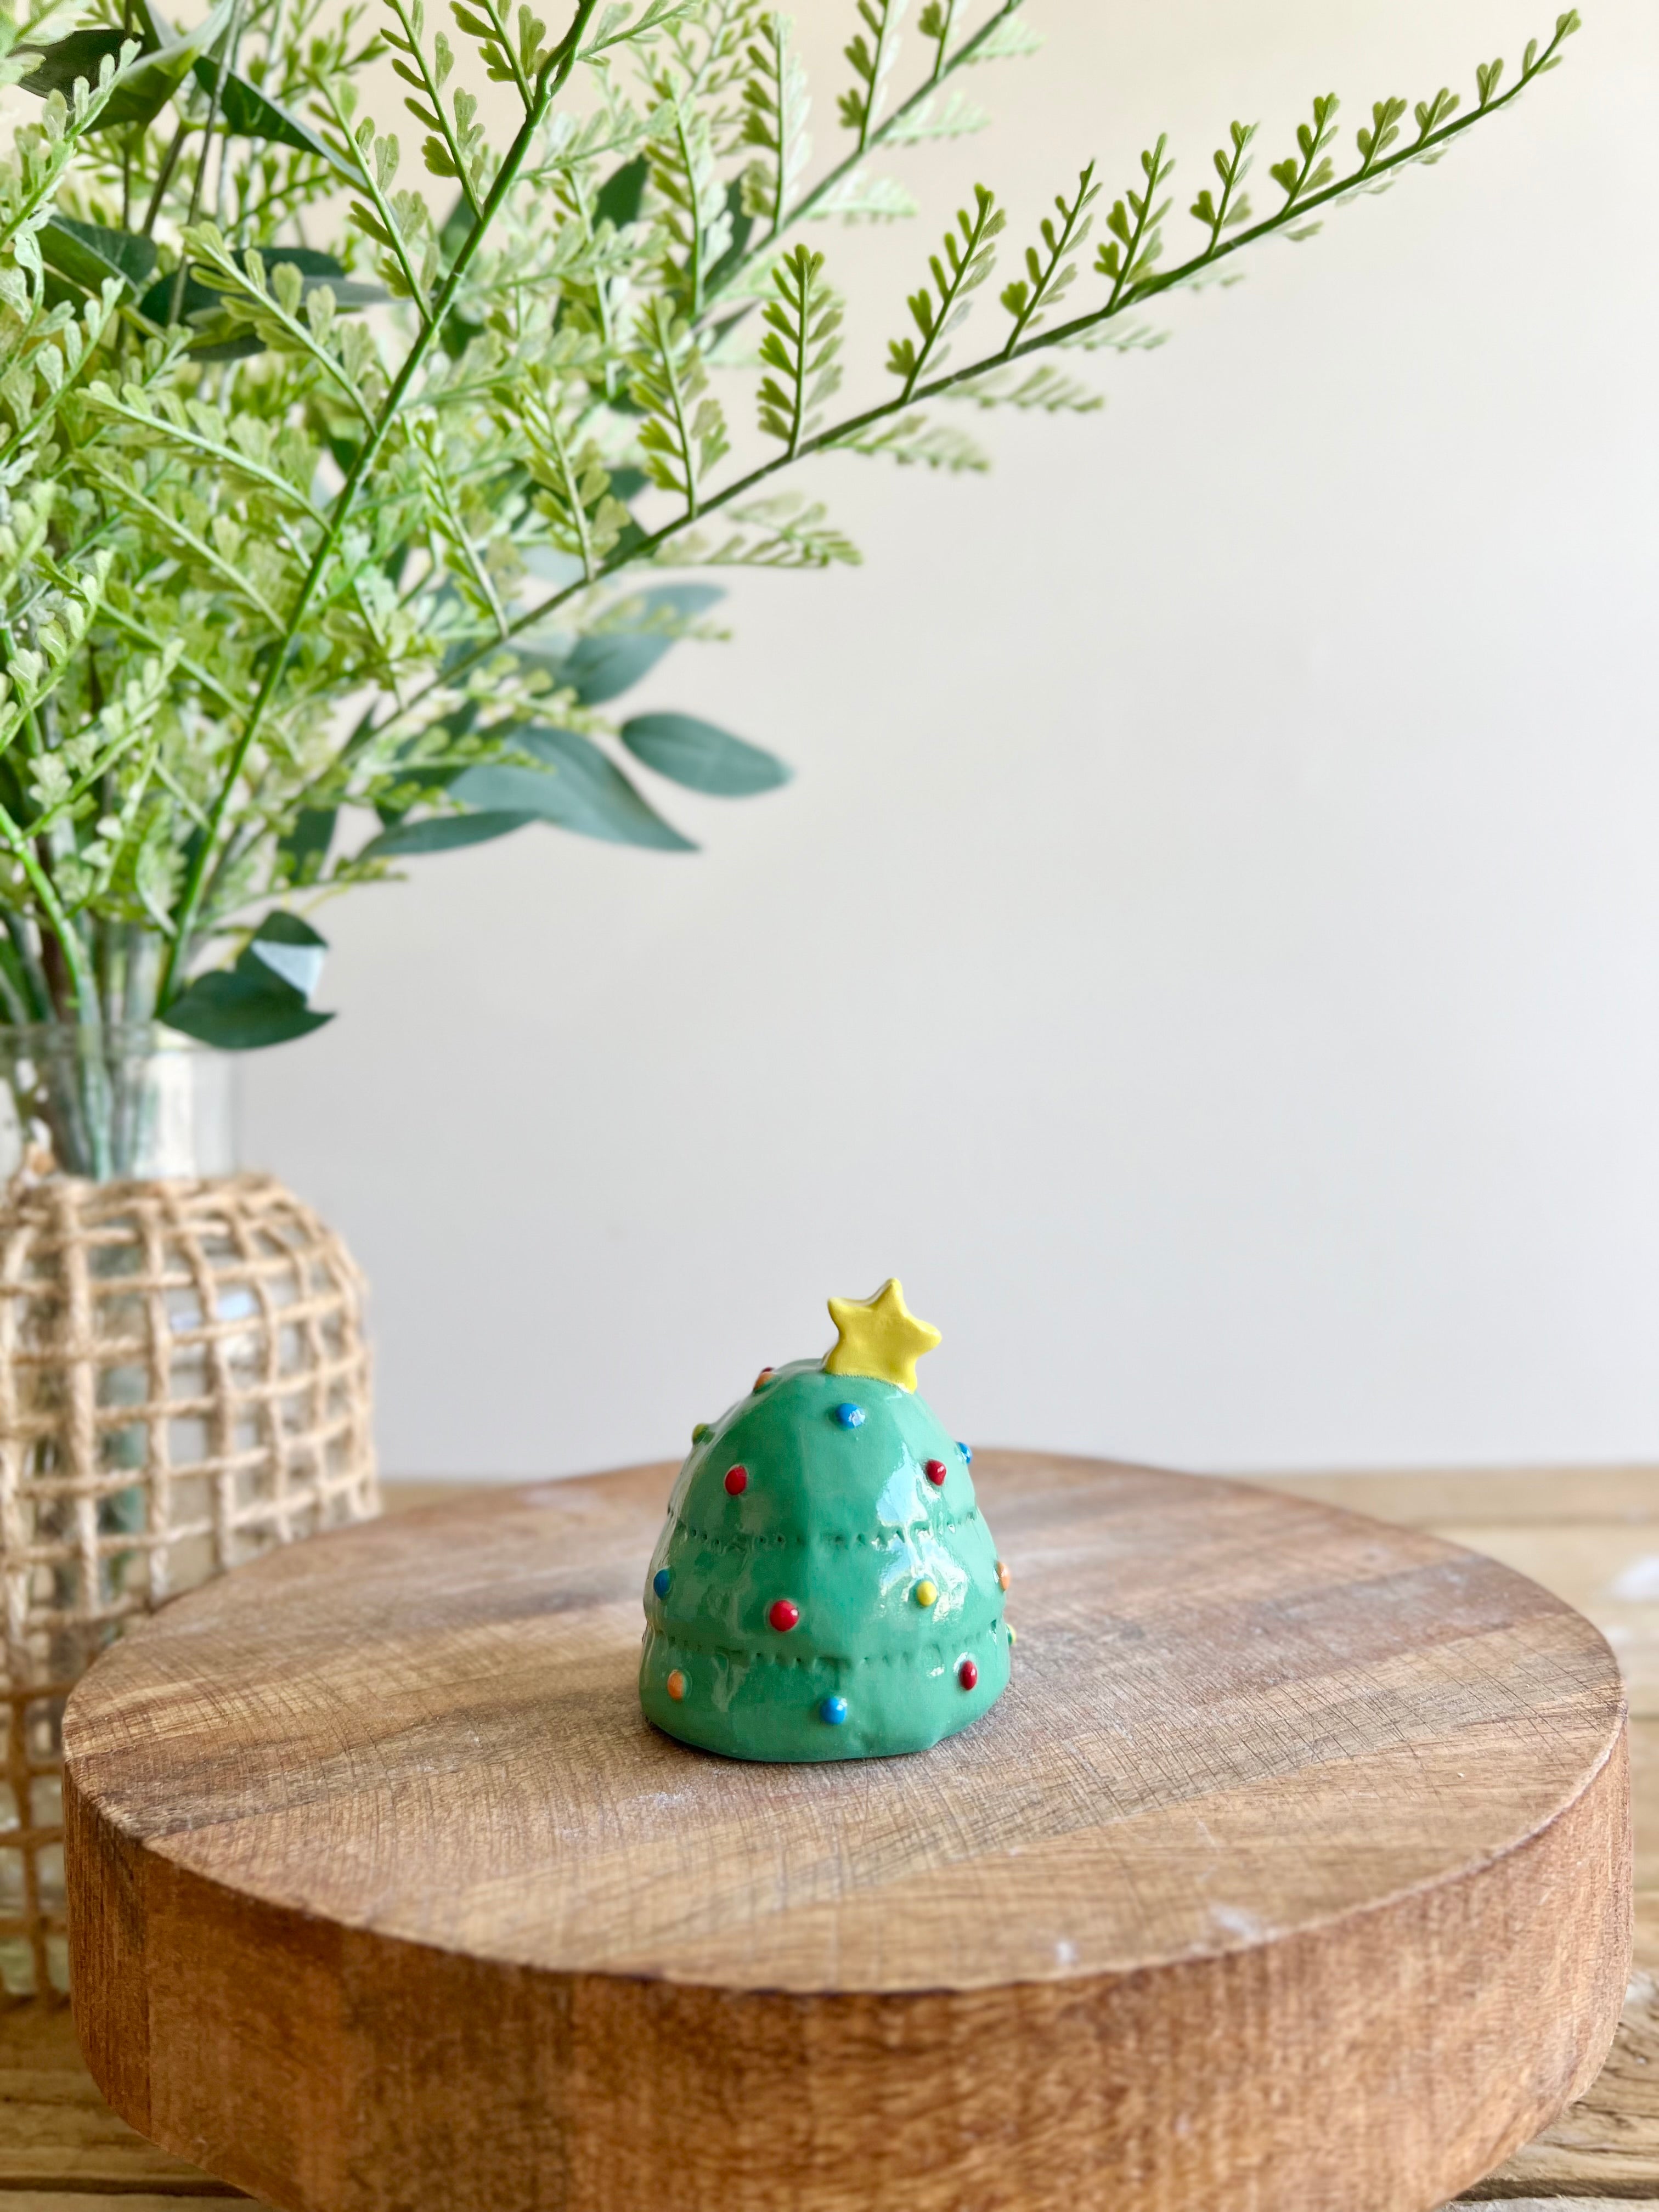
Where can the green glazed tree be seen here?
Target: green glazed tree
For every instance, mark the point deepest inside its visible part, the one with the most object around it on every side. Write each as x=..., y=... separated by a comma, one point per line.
x=825, y=1586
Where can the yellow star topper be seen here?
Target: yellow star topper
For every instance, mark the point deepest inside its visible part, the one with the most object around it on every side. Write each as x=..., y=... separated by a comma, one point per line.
x=878, y=1336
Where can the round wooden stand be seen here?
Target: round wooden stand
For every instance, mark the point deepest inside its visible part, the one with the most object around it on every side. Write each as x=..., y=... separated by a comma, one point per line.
x=1292, y=1875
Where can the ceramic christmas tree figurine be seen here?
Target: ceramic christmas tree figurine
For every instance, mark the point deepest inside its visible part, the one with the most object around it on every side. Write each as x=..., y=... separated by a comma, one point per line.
x=824, y=1587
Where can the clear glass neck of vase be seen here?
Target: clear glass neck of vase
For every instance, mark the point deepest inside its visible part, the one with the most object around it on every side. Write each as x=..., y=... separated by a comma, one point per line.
x=113, y=1101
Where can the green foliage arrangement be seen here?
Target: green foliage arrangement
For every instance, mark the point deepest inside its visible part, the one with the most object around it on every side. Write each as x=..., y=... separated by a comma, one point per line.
x=334, y=507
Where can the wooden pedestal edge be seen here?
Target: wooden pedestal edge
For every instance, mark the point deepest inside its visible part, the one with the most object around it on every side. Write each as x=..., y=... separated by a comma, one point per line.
x=330, y=2068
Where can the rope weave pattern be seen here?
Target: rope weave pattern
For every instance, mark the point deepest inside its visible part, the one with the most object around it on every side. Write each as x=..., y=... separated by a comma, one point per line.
x=184, y=1384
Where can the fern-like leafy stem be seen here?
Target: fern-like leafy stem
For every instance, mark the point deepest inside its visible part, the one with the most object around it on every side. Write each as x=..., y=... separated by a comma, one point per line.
x=555, y=72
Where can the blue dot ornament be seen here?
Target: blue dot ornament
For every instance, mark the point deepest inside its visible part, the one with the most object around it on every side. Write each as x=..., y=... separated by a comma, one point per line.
x=850, y=1416
x=834, y=1710
x=659, y=1581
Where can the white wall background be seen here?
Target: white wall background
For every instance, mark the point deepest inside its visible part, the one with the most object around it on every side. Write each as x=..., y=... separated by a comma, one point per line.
x=1211, y=949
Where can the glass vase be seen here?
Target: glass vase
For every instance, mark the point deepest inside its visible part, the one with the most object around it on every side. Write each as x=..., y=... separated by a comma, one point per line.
x=114, y=1102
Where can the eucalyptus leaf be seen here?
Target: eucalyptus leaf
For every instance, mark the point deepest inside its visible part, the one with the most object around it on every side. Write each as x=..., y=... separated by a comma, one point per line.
x=143, y=94
x=288, y=945
x=224, y=340
x=496, y=788
x=420, y=783
x=451, y=235
x=305, y=849
x=68, y=61
x=611, y=660
x=599, y=668
x=742, y=223
x=243, y=107
x=620, y=194
x=159, y=36
x=445, y=833
x=79, y=56
x=242, y=1009
x=253, y=114
x=88, y=253
x=218, y=335
x=701, y=756
x=197, y=298
x=587, y=793
x=155, y=80
x=265, y=998
x=687, y=601
x=280, y=926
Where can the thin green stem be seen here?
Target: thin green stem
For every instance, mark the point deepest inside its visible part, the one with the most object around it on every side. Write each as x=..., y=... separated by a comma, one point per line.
x=27, y=962
x=383, y=206
x=1143, y=221
x=1042, y=278
x=182, y=273
x=960, y=279
x=1218, y=222
x=233, y=48
x=82, y=988
x=459, y=538
x=880, y=65
x=670, y=377
x=504, y=40
x=947, y=14
x=694, y=265
x=300, y=188
x=602, y=304
x=14, y=987
x=798, y=410
x=164, y=177
x=570, y=478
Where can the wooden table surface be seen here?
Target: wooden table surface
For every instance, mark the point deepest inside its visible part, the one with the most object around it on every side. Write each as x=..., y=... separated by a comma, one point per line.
x=1592, y=1535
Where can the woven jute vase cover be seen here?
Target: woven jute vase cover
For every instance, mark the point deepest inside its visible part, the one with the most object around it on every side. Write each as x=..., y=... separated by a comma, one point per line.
x=184, y=1384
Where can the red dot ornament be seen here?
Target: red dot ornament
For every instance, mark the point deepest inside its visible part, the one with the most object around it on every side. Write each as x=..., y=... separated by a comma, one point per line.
x=736, y=1481
x=935, y=1472
x=783, y=1615
x=968, y=1674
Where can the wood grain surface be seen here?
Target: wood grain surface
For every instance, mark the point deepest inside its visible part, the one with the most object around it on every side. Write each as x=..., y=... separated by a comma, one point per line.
x=384, y=1895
